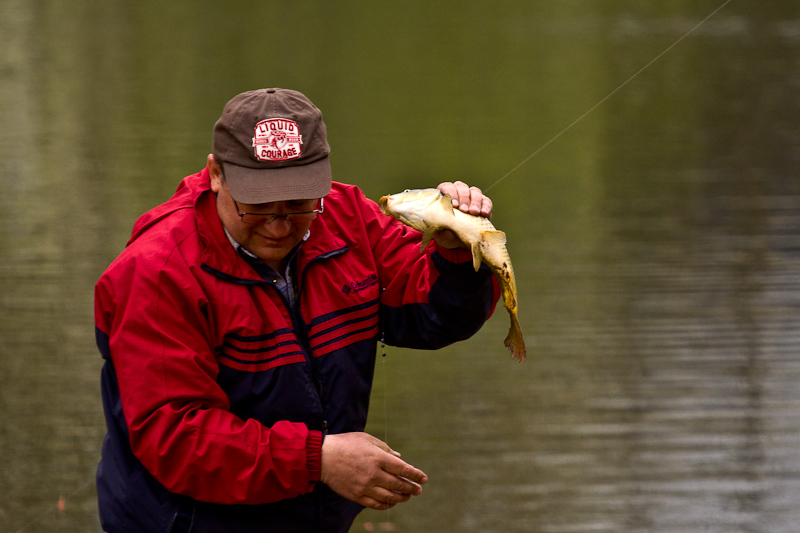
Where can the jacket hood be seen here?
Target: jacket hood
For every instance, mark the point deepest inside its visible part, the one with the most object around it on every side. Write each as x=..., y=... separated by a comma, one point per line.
x=185, y=197
x=194, y=196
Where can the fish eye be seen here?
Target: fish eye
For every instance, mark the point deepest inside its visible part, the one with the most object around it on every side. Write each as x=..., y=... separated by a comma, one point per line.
x=407, y=190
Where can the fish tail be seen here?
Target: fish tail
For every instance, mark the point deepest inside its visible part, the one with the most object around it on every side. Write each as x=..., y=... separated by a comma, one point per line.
x=514, y=341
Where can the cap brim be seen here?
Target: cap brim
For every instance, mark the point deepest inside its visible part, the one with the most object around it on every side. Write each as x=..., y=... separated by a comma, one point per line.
x=259, y=185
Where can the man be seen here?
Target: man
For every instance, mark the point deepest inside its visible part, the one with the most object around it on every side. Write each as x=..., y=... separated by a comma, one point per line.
x=239, y=332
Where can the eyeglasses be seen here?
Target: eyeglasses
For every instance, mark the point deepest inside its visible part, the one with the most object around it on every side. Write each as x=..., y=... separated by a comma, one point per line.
x=252, y=219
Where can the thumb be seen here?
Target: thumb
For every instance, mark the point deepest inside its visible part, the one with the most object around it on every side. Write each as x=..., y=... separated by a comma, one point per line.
x=385, y=447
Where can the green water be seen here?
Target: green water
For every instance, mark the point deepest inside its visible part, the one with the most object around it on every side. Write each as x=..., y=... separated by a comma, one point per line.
x=653, y=222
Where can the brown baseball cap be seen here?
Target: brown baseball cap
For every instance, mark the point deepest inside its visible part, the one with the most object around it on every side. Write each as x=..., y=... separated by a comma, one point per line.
x=273, y=146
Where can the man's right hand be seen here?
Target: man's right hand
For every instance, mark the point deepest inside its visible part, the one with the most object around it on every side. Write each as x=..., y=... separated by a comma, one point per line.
x=367, y=471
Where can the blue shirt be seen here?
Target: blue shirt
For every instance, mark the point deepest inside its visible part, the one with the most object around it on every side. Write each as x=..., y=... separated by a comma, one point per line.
x=284, y=283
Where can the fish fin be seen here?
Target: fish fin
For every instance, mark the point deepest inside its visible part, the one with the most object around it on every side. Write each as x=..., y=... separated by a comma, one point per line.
x=426, y=238
x=494, y=236
x=514, y=341
x=447, y=203
x=477, y=256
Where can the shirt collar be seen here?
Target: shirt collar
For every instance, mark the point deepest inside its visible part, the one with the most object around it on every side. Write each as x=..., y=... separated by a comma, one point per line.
x=244, y=251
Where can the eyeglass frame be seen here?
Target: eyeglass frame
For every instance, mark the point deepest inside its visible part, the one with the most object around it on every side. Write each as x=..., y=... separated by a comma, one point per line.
x=269, y=218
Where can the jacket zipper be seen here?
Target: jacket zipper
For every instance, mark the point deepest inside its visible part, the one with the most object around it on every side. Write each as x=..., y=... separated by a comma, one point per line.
x=299, y=328
x=302, y=330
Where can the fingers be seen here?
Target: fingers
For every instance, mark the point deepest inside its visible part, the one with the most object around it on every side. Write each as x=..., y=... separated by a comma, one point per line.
x=385, y=491
x=397, y=483
x=390, y=493
x=407, y=476
x=400, y=486
x=380, y=444
x=389, y=500
x=467, y=199
x=399, y=478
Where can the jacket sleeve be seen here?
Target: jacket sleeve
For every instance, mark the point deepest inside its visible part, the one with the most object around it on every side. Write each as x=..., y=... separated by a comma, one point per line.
x=431, y=298
x=180, y=426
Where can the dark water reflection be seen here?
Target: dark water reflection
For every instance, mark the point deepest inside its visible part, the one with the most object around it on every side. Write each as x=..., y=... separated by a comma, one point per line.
x=655, y=242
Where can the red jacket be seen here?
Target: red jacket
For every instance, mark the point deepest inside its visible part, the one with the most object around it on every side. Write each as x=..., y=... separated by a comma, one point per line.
x=216, y=393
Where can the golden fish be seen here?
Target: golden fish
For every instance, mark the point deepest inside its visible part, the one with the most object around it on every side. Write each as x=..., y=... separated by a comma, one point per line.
x=428, y=211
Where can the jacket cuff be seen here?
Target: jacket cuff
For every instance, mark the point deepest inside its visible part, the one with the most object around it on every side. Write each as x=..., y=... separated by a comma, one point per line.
x=314, y=456
x=457, y=255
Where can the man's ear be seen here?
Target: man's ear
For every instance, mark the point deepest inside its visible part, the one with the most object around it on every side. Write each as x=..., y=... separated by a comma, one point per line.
x=215, y=172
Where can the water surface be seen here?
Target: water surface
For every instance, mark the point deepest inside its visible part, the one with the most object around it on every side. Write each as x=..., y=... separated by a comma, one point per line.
x=655, y=240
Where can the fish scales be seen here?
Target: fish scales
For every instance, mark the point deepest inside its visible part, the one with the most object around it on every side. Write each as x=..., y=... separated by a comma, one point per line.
x=429, y=211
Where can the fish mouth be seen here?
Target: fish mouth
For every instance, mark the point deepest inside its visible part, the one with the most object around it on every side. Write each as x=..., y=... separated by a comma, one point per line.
x=384, y=204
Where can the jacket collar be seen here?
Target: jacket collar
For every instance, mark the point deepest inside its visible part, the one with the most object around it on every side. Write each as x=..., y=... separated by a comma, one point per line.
x=221, y=259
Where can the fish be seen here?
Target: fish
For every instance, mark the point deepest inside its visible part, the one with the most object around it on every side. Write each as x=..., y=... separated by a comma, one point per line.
x=428, y=211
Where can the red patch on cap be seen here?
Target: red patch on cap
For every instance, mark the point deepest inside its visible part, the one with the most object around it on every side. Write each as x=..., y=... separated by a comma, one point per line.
x=277, y=139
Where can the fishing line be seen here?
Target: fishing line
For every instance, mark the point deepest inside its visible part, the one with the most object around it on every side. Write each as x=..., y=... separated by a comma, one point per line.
x=531, y=156
x=385, y=416
x=383, y=371
x=609, y=95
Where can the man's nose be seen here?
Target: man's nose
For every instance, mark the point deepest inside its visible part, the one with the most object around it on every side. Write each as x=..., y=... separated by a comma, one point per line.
x=279, y=227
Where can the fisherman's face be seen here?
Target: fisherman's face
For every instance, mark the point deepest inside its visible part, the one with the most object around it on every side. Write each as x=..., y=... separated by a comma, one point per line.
x=270, y=242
